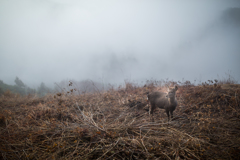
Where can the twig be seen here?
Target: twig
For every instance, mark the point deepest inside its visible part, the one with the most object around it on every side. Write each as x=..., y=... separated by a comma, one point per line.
x=90, y=123
x=110, y=148
x=144, y=146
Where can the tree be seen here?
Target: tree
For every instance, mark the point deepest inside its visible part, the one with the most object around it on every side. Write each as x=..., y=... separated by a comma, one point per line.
x=30, y=90
x=43, y=89
x=1, y=91
x=1, y=83
x=19, y=83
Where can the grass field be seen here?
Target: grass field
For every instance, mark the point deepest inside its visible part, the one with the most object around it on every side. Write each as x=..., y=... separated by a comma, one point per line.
x=115, y=125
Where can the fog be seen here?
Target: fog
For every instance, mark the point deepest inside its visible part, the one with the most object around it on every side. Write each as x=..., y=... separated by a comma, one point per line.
x=110, y=41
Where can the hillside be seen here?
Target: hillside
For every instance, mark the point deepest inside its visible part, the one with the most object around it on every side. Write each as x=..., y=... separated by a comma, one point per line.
x=115, y=125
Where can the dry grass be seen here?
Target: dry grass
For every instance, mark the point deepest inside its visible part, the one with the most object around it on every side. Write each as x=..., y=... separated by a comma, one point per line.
x=115, y=125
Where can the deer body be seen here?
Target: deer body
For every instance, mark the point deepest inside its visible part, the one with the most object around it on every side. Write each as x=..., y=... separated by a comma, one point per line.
x=163, y=100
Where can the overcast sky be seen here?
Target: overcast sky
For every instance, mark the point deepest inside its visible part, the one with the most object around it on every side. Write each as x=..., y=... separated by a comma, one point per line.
x=109, y=40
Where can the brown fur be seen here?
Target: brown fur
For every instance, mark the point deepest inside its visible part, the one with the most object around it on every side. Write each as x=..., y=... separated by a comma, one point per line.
x=163, y=100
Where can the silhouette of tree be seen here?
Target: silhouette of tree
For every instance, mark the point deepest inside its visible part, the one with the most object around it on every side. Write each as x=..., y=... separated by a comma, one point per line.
x=19, y=83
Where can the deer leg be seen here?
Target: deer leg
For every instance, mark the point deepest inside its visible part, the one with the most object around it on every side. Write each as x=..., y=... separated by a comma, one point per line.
x=171, y=113
x=151, y=113
x=167, y=111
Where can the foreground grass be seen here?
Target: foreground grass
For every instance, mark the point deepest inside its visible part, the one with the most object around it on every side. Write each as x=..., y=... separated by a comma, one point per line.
x=115, y=125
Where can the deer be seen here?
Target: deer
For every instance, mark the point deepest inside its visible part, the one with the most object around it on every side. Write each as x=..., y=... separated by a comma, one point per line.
x=163, y=100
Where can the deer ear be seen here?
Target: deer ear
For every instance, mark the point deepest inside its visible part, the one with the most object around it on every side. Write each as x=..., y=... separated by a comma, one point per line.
x=167, y=86
x=176, y=88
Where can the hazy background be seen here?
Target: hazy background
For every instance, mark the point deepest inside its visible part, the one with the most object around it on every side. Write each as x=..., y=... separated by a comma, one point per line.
x=109, y=41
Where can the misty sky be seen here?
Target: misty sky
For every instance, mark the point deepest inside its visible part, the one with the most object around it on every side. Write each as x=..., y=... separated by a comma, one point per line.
x=109, y=40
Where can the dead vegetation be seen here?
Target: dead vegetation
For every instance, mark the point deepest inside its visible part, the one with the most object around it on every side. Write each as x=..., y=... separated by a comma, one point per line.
x=115, y=125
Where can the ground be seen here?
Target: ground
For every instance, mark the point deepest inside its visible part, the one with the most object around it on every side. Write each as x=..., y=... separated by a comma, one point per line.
x=115, y=125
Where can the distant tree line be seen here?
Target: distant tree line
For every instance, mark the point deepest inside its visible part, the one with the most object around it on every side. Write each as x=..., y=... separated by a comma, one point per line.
x=81, y=87
x=71, y=86
x=22, y=89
